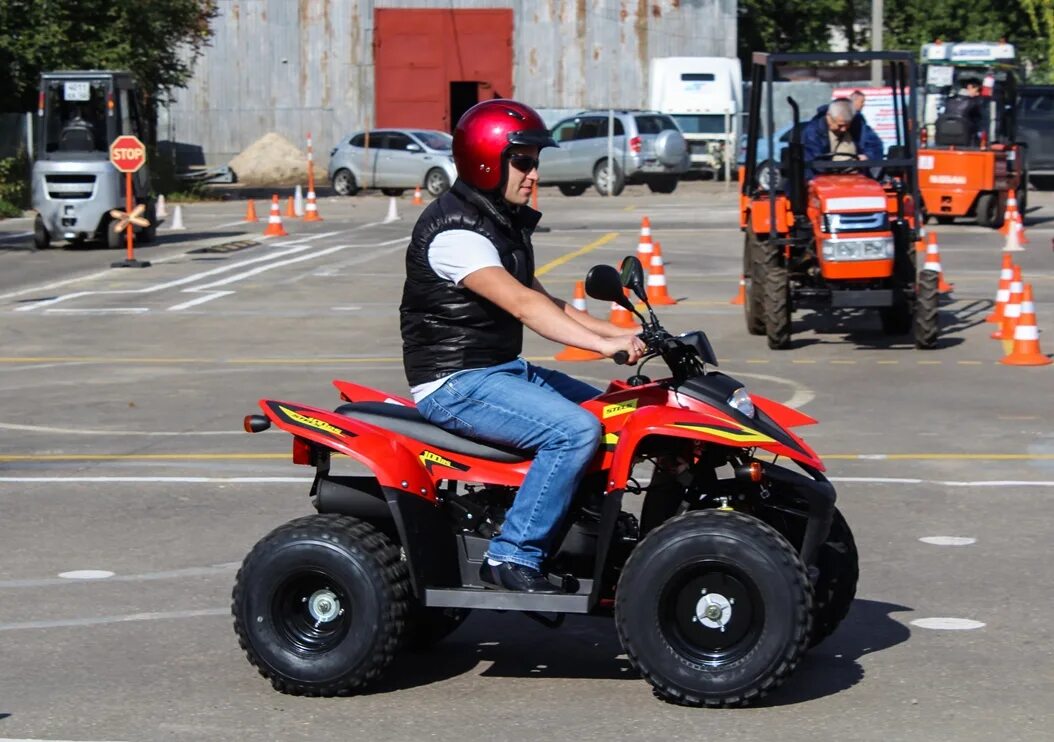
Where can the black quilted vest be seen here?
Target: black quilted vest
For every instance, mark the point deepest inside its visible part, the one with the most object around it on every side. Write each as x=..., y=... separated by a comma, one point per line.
x=447, y=328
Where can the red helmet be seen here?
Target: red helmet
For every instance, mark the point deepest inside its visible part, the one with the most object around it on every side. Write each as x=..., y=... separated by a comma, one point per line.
x=484, y=133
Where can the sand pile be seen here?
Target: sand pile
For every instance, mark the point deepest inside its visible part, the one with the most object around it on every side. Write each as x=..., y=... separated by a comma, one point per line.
x=270, y=160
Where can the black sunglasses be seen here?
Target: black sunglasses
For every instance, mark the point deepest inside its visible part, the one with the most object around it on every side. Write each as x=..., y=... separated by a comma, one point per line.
x=523, y=163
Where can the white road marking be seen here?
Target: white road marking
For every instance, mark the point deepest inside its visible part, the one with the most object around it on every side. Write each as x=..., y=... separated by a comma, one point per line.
x=156, y=480
x=948, y=540
x=942, y=623
x=95, y=433
x=27, y=739
x=199, y=300
x=97, y=310
x=86, y=574
x=78, y=622
x=802, y=394
x=170, y=574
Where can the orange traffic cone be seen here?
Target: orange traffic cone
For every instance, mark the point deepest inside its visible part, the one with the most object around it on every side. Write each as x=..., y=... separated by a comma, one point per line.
x=274, y=220
x=933, y=263
x=250, y=212
x=1019, y=225
x=418, y=201
x=571, y=353
x=1008, y=213
x=1006, y=275
x=1012, y=309
x=290, y=208
x=1026, y=350
x=621, y=316
x=644, y=245
x=311, y=209
x=657, y=293
x=741, y=296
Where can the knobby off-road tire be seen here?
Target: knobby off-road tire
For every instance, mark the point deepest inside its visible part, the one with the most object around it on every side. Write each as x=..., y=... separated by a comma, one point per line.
x=320, y=605
x=776, y=299
x=926, y=321
x=836, y=588
x=698, y=573
x=754, y=306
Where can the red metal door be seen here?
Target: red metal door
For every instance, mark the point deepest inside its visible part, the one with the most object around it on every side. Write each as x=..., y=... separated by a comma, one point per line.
x=419, y=52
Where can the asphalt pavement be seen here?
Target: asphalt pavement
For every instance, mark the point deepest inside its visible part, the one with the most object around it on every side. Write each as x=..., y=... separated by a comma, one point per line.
x=130, y=493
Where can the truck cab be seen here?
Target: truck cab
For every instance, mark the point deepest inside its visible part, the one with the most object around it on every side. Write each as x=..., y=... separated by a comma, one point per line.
x=704, y=95
x=74, y=184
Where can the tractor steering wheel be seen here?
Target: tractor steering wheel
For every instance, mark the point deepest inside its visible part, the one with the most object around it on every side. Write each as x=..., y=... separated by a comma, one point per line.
x=852, y=163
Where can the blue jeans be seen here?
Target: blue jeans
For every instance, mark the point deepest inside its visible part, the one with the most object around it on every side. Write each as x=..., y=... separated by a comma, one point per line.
x=524, y=406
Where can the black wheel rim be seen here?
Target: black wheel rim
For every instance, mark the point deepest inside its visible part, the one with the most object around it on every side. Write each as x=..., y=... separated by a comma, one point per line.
x=311, y=611
x=711, y=613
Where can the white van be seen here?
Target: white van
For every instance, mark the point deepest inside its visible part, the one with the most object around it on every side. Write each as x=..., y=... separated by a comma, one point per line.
x=705, y=96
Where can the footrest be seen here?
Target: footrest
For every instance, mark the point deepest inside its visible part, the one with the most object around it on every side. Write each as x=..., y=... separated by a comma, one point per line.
x=505, y=601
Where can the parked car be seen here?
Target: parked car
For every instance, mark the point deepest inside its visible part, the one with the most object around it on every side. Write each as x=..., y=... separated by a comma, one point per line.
x=393, y=160
x=781, y=139
x=1035, y=127
x=648, y=148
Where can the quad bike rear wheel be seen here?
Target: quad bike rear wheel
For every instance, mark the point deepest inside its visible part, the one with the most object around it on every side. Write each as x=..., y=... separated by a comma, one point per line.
x=776, y=299
x=926, y=321
x=714, y=609
x=754, y=306
x=320, y=605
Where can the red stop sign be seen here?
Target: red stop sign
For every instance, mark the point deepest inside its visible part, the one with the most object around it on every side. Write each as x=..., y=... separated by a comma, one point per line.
x=127, y=153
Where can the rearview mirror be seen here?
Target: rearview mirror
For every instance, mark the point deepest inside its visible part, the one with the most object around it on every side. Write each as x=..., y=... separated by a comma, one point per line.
x=414, y=147
x=632, y=276
x=603, y=283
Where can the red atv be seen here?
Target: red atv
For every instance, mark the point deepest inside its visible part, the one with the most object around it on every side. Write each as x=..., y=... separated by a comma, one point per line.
x=735, y=567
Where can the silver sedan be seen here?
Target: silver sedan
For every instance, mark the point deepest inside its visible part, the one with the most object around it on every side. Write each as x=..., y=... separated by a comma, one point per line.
x=393, y=160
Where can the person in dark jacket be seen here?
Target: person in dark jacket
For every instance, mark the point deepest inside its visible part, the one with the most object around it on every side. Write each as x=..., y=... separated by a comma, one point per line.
x=470, y=288
x=838, y=130
x=968, y=107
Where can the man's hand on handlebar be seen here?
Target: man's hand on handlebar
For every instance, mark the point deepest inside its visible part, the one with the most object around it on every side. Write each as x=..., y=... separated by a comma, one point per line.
x=625, y=350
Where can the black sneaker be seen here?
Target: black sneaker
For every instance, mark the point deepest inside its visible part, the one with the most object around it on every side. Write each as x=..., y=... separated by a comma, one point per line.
x=515, y=578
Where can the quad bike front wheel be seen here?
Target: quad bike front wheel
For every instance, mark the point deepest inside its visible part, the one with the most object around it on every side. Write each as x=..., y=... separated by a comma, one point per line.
x=926, y=321
x=714, y=609
x=835, y=589
x=320, y=605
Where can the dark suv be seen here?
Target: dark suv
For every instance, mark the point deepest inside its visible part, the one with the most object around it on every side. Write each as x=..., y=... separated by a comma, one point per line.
x=648, y=148
x=1035, y=126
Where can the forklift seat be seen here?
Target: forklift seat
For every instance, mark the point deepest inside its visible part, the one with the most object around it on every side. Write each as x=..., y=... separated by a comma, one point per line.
x=954, y=131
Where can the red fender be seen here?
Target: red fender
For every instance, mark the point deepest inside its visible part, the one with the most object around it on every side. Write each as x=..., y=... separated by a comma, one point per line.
x=786, y=416
x=352, y=392
x=694, y=425
x=391, y=462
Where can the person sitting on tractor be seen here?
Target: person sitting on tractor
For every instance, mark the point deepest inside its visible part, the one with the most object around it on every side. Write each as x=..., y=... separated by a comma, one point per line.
x=838, y=132
x=470, y=288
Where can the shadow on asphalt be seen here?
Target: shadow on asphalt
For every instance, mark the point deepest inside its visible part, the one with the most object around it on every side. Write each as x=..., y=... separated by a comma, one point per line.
x=588, y=648
x=832, y=666
x=862, y=328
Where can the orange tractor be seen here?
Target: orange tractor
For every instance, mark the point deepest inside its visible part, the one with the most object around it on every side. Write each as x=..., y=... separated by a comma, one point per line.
x=968, y=158
x=830, y=234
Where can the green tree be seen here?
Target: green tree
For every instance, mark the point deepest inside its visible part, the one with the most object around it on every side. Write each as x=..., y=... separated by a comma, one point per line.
x=788, y=25
x=157, y=40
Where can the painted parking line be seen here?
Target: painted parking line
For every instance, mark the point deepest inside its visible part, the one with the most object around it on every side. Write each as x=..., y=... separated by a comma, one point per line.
x=599, y=242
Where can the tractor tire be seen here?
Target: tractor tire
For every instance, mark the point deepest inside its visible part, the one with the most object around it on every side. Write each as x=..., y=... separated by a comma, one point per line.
x=320, y=605
x=754, y=306
x=776, y=300
x=572, y=189
x=927, y=317
x=835, y=589
x=428, y=626
x=601, y=179
x=989, y=209
x=896, y=320
x=714, y=609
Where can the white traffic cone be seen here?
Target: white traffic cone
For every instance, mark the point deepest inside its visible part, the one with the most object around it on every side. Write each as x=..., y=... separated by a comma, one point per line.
x=177, y=220
x=298, y=202
x=393, y=213
x=160, y=209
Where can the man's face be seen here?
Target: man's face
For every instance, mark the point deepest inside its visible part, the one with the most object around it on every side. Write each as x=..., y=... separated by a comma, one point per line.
x=838, y=126
x=973, y=89
x=521, y=175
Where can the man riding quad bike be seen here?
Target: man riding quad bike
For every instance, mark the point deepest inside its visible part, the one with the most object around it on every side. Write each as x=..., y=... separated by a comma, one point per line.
x=736, y=566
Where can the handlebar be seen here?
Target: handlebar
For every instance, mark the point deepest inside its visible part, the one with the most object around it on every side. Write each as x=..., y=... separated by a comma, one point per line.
x=621, y=357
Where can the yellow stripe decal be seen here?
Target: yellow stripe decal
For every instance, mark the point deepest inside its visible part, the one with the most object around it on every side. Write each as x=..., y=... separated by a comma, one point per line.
x=745, y=436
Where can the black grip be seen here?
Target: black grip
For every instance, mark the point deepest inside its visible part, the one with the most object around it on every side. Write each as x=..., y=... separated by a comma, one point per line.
x=621, y=357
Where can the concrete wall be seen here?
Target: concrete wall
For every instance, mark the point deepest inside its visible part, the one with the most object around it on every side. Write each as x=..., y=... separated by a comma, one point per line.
x=294, y=66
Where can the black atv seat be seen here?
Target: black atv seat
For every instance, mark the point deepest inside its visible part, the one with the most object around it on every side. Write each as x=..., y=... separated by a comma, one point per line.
x=408, y=421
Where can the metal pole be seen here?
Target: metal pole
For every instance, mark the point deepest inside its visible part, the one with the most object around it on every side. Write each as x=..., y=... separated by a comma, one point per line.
x=876, y=42
x=29, y=135
x=128, y=210
x=611, y=149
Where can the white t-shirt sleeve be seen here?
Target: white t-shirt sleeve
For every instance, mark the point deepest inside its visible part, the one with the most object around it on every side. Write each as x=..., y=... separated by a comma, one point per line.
x=456, y=253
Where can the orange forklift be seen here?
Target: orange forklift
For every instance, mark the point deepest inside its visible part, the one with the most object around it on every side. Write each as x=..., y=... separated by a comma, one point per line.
x=968, y=157
x=829, y=234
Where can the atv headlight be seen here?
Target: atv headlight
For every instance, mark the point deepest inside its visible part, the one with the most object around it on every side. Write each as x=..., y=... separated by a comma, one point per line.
x=741, y=400
x=861, y=248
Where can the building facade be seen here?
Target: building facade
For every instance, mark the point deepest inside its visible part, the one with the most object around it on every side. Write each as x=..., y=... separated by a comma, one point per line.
x=330, y=67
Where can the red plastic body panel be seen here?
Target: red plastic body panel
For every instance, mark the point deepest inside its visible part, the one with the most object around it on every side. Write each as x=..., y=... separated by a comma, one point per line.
x=786, y=416
x=352, y=392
